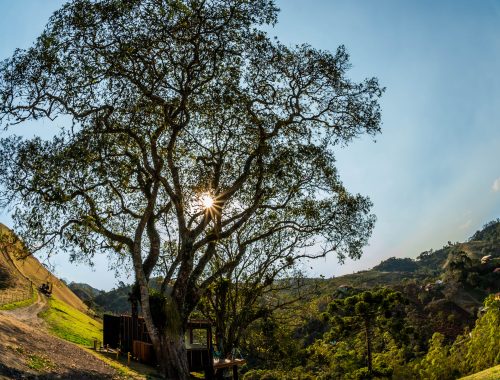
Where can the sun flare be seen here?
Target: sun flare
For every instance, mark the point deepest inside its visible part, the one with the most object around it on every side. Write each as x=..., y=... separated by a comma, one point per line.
x=206, y=201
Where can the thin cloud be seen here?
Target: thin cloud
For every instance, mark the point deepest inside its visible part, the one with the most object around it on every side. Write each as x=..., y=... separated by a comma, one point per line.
x=496, y=185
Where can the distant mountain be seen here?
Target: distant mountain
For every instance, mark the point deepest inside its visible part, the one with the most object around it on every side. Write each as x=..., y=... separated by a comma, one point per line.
x=114, y=301
x=84, y=291
x=483, y=243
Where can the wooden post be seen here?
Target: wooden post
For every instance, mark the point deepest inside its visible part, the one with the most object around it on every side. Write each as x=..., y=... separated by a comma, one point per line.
x=117, y=354
x=128, y=358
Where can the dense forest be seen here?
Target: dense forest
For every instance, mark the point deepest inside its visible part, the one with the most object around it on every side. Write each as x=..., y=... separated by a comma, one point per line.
x=433, y=317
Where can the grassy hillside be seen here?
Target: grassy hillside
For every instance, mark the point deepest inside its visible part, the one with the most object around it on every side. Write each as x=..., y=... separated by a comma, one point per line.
x=71, y=324
x=65, y=316
x=74, y=326
x=66, y=312
x=36, y=272
x=19, y=268
x=488, y=374
x=10, y=276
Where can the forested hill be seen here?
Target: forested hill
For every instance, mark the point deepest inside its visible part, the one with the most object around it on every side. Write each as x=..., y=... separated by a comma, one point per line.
x=434, y=318
x=452, y=280
x=453, y=272
x=114, y=301
x=482, y=243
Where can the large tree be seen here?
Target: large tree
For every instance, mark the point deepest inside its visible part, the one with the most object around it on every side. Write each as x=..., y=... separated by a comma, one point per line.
x=180, y=122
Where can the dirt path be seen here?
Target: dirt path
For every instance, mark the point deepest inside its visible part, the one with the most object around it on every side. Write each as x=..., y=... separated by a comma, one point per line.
x=29, y=314
x=27, y=351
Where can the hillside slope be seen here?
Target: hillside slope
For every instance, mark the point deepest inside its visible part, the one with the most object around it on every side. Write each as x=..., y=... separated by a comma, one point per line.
x=10, y=277
x=28, y=352
x=18, y=268
x=492, y=373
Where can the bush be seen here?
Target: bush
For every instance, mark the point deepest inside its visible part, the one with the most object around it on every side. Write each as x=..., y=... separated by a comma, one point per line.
x=483, y=349
x=262, y=374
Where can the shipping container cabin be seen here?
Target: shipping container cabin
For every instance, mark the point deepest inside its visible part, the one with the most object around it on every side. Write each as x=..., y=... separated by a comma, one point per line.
x=130, y=335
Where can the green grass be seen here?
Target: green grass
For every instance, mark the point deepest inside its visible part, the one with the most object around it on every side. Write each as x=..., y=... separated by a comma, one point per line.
x=492, y=373
x=70, y=324
x=39, y=363
x=18, y=304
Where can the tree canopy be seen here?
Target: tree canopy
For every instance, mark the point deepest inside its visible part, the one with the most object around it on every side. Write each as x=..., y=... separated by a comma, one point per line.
x=161, y=105
x=365, y=311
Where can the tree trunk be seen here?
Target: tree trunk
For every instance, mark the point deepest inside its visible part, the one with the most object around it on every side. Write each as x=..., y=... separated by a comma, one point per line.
x=173, y=357
x=170, y=350
x=220, y=331
x=219, y=338
x=134, y=307
x=168, y=342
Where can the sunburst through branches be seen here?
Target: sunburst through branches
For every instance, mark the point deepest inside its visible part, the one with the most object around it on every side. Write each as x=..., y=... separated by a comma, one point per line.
x=209, y=205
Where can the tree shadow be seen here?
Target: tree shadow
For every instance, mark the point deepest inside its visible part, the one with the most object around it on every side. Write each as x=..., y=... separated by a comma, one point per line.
x=5, y=278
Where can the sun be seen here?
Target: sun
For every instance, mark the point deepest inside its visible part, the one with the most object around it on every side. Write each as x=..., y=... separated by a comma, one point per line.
x=207, y=201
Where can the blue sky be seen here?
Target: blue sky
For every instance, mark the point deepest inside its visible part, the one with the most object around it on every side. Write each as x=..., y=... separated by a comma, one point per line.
x=431, y=174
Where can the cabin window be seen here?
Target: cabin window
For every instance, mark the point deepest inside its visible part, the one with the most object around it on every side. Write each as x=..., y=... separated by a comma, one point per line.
x=196, y=338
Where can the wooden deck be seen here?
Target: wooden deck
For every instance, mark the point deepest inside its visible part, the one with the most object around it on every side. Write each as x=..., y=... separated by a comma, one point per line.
x=220, y=364
x=225, y=363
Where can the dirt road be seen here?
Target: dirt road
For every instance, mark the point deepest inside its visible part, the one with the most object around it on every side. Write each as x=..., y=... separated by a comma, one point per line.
x=27, y=351
x=29, y=314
